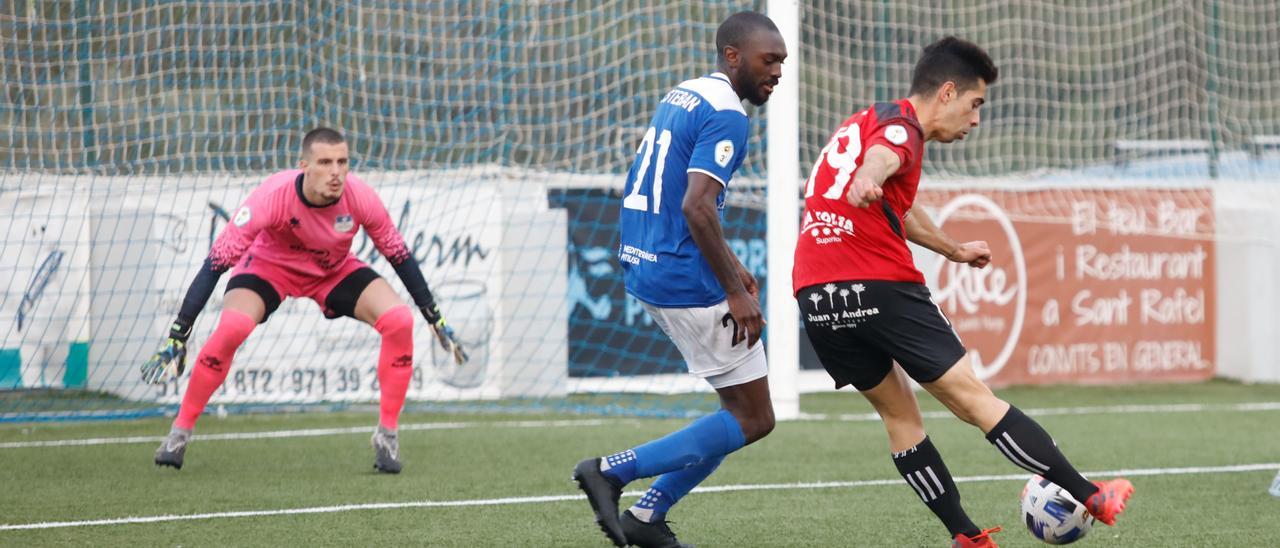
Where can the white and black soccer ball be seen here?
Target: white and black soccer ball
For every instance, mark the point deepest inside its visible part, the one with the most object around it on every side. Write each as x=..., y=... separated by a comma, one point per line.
x=1051, y=514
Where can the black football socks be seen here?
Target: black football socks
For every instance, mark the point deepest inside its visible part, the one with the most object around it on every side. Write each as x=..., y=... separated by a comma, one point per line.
x=1021, y=440
x=925, y=472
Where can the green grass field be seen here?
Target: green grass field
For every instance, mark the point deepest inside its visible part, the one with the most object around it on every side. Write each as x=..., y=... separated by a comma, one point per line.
x=769, y=494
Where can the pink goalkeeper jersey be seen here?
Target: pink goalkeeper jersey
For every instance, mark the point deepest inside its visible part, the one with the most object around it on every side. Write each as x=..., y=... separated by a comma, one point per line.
x=277, y=226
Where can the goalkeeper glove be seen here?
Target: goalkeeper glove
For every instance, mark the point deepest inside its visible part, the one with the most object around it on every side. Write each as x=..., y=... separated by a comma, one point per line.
x=171, y=358
x=444, y=333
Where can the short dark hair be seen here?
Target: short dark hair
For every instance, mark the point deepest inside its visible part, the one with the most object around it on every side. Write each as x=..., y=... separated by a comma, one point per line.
x=739, y=27
x=952, y=60
x=328, y=136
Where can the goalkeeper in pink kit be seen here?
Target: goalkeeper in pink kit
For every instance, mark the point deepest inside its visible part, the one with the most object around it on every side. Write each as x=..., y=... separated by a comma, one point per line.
x=292, y=238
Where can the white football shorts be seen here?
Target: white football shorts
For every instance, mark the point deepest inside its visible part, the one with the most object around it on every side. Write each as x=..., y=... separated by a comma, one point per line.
x=704, y=337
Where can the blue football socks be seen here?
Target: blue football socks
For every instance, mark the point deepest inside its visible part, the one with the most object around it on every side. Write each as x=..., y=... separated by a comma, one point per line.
x=670, y=488
x=710, y=437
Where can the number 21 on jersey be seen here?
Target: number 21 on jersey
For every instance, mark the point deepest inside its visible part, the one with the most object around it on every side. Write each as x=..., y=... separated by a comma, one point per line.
x=649, y=147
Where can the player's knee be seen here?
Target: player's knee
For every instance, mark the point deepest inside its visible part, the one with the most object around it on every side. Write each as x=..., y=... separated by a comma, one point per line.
x=760, y=424
x=966, y=396
x=962, y=406
x=901, y=418
x=396, y=323
x=233, y=328
x=976, y=408
x=767, y=422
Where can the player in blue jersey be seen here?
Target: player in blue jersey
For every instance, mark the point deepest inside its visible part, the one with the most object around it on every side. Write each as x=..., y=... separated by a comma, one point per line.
x=677, y=263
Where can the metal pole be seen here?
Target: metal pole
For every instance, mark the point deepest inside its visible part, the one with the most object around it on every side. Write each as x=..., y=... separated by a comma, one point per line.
x=783, y=161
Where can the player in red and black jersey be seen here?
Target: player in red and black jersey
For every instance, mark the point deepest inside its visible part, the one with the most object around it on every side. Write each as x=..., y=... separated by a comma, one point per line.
x=865, y=305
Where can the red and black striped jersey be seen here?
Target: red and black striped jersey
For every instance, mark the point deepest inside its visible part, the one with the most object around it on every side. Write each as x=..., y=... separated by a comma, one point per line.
x=840, y=241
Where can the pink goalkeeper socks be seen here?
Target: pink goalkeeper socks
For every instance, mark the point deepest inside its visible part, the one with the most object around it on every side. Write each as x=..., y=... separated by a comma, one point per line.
x=395, y=362
x=212, y=365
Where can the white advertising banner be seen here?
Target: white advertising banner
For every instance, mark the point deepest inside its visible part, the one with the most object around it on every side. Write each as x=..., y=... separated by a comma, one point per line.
x=299, y=356
x=113, y=267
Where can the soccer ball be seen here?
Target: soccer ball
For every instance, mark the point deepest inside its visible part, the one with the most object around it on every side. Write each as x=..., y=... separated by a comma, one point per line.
x=1052, y=515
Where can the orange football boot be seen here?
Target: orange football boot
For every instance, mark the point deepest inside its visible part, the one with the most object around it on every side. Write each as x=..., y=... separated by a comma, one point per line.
x=981, y=540
x=1110, y=499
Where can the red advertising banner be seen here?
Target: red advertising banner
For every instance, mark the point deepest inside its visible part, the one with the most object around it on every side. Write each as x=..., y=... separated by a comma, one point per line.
x=1085, y=286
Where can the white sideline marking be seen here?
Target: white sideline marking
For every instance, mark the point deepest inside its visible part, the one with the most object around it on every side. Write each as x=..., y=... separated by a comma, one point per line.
x=851, y=417
x=563, y=498
x=311, y=432
x=1095, y=410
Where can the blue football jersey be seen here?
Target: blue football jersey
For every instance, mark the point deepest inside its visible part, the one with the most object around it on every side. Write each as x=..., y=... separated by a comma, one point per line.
x=699, y=126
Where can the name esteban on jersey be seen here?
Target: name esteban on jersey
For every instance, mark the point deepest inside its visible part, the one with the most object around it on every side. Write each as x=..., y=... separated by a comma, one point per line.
x=682, y=99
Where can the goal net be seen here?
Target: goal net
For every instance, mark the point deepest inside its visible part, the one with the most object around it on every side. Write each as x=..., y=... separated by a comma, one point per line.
x=497, y=133
x=1117, y=164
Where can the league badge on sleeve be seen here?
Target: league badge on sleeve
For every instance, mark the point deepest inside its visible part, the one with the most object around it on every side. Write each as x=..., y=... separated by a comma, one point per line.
x=242, y=216
x=343, y=223
x=724, y=152
x=895, y=134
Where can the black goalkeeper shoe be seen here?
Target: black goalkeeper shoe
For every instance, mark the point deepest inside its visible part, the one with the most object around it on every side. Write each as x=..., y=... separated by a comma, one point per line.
x=603, y=494
x=649, y=535
x=173, y=448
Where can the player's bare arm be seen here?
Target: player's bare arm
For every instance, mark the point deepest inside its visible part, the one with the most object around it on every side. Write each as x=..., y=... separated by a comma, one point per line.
x=700, y=212
x=878, y=164
x=921, y=230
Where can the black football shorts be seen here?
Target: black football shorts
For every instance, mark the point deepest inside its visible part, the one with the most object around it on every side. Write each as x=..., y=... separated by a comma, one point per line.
x=859, y=328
